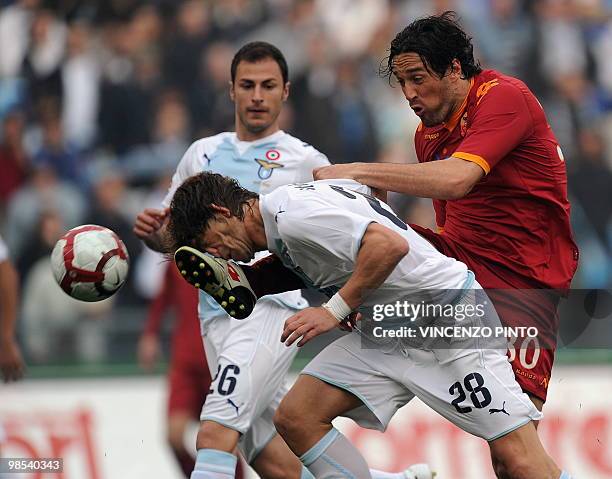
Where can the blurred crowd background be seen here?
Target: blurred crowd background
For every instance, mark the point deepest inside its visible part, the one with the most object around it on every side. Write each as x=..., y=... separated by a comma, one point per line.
x=100, y=98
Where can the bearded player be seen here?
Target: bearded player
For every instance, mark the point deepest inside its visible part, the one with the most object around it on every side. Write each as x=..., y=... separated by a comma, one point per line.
x=494, y=169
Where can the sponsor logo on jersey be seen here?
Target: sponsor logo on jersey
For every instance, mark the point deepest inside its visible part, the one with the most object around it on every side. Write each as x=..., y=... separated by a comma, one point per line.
x=431, y=136
x=266, y=167
x=484, y=89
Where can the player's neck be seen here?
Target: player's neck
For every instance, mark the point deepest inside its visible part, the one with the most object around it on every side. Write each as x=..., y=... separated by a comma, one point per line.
x=254, y=225
x=243, y=134
x=461, y=91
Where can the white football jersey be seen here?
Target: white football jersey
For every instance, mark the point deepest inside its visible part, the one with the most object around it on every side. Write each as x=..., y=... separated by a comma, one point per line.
x=259, y=166
x=316, y=229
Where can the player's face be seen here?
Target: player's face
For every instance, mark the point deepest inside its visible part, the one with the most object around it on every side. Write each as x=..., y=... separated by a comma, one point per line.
x=430, y=97
x=227, y=238
x=258, y=93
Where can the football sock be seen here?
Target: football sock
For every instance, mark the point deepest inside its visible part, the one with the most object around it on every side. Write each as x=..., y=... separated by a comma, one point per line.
x=334, y=457
x=306, y=474
x=214, y=464
x=386, y=475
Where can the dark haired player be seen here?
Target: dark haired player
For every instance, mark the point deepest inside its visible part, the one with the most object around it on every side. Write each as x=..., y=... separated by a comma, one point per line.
x=248, y=362
x=490, y=161
x=330, y=233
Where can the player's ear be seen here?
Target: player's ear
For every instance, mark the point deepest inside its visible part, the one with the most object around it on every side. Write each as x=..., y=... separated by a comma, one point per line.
x=456, y=68
x=286, y=91
x=231, y=90
x=222, y=210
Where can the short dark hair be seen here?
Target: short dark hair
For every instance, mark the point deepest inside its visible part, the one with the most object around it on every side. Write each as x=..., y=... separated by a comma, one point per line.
x=438, y=40
x=256, y=51
x=190, y=209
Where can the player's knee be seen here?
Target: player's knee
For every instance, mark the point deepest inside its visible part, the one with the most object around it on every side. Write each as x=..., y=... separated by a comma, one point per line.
x=518, y=468
x=287, y=419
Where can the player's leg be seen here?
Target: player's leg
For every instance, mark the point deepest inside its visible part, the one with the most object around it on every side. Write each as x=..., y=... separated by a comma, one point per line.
x=185, y=395
x=339, y=382
x=235, y=287
x=519, y=454
x=241, y=354
x=276, y=460
x=176, y=426
x=304, y=419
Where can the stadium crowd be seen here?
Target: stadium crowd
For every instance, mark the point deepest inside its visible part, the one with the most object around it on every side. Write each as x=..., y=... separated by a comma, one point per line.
x=100, y=99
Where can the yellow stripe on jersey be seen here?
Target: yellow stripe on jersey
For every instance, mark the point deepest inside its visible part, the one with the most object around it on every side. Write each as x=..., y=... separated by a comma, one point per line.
x=479, y=160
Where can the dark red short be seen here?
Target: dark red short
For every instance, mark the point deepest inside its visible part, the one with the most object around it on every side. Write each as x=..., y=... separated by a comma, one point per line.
x=188, y=383
x=518, y=303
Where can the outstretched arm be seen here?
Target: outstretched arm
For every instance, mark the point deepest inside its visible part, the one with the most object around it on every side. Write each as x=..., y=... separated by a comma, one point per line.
x=448, y=179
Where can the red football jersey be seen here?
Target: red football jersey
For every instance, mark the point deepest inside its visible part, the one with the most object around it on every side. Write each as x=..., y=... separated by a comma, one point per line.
x=517, y=215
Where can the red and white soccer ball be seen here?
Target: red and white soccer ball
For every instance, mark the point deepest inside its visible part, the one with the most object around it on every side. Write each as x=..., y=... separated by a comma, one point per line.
x=90, y=263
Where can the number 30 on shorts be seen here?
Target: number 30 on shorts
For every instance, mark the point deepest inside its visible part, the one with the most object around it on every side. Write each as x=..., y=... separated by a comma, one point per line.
x=227, y=381
x=479, y=395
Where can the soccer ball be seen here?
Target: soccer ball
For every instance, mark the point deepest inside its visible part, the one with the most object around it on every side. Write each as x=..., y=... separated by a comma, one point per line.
x=90, y=263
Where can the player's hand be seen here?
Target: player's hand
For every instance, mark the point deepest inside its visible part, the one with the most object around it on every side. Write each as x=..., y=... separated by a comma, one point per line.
x=11, y=361
x=148, y=351
x=149, y=221
x=307, y=324
x=332, y=172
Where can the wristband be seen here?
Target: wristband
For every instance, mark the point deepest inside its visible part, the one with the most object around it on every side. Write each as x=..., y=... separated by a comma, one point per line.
x=337, y=307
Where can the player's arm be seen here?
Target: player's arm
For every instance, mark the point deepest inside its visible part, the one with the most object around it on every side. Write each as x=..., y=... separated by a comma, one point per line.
x=11, y=361
x=150, y=227
x=448, y=179
x=380, y=252
x=501, y=121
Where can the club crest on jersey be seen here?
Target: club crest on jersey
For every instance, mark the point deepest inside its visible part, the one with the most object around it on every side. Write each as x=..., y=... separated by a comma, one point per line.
x=267, y=167
x=463, y=125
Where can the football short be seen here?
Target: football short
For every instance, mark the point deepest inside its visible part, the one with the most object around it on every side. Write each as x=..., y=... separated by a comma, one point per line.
x=531, y=359
x=473, y=387
x=249, y=365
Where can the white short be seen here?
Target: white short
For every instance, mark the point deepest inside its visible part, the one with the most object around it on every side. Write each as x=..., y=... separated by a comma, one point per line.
x=473, y=387
x=249, y=365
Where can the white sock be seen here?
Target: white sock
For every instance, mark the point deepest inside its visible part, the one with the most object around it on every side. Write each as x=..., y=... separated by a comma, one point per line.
x=386, y=475
x=214, y=464
x=334, y=457
x=306, y=474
